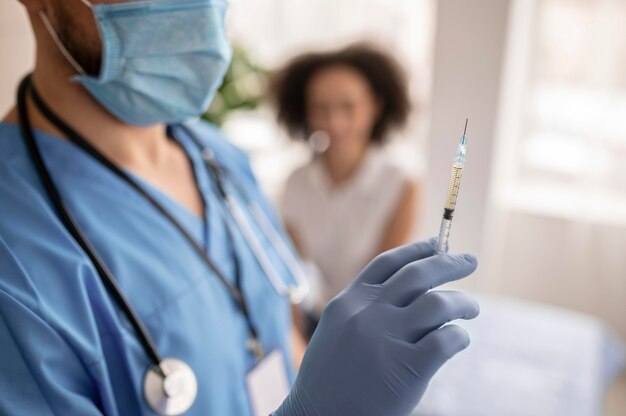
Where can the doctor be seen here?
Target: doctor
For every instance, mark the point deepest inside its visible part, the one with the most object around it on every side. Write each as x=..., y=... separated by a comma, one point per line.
x=141, y=270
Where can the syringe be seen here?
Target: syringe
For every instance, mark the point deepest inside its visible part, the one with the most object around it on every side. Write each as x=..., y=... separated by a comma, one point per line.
x=453, y=191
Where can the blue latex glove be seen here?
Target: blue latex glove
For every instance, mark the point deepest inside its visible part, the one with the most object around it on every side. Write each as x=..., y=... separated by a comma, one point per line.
x=381, y=340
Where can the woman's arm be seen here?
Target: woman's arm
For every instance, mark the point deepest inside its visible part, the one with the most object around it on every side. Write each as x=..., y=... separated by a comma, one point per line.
x=402, y=221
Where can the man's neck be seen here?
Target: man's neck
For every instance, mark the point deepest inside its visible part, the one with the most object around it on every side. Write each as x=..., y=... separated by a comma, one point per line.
x=126, y=145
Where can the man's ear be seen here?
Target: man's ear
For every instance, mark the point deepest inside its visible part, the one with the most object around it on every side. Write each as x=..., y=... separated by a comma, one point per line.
x=33, y=6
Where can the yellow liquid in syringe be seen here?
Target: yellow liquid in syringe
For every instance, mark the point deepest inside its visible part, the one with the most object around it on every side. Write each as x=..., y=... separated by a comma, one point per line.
x=453, y=187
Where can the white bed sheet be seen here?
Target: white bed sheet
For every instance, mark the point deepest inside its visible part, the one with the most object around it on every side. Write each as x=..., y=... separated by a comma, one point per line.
x=527, y=359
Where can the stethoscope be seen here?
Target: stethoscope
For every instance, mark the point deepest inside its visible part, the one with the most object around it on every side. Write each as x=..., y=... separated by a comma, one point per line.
x=170, y=385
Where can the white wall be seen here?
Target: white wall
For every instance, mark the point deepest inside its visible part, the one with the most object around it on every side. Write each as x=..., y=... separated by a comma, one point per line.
x=16, y=50
x=469, y=45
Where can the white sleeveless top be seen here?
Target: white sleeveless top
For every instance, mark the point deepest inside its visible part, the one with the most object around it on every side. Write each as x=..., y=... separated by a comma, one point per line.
x=340, y=227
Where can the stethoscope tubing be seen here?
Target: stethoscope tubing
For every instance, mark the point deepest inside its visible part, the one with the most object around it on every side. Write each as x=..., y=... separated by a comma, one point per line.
x=72, y=226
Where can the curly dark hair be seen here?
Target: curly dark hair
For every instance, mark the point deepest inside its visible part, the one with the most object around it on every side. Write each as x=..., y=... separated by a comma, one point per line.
x=385, y=76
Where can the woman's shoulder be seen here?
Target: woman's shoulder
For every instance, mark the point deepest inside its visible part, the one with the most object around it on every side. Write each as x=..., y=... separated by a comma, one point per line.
x=387, y=168
x=301, y=175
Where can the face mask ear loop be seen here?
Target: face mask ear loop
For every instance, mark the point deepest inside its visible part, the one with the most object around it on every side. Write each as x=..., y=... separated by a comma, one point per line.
x=59, y=44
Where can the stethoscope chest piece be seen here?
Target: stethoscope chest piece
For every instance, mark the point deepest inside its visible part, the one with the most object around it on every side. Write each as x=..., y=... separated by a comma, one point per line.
x=172, y=390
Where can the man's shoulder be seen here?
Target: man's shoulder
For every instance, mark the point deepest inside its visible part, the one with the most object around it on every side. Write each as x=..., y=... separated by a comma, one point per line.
x=302, y=175
x=35, y=251
x=26, y=215
x=16, y=171
x=10, y=143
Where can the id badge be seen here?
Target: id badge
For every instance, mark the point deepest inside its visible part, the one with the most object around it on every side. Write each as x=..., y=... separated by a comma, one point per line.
x=267, y=384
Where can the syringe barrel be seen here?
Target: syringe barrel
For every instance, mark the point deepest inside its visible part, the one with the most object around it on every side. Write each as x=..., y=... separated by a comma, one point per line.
x=453, y=187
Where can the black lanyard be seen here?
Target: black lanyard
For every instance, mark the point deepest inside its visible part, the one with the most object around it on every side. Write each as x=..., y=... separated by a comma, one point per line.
x=72, y=225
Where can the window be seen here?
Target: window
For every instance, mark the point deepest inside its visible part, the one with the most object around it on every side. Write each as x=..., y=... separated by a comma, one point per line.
x=570, y=159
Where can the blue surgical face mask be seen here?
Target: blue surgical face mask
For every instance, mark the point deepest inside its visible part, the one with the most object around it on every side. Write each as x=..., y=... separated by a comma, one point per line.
x=162, y=60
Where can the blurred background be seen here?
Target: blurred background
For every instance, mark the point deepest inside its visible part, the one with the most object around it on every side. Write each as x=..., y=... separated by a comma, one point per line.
x=543, y=198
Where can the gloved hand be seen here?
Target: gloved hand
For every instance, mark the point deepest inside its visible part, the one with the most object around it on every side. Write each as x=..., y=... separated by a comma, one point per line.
x=380, y=341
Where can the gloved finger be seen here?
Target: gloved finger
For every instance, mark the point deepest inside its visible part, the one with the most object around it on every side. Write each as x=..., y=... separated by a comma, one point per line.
x=430, y=312
x=418, y=277
x=432, y=351
x=389, y=262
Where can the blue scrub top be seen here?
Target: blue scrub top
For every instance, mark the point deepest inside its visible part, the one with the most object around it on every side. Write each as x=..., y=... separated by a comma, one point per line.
x=65, y=346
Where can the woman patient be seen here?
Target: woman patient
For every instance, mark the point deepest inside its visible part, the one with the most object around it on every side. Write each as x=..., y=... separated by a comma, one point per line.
x=350, y=202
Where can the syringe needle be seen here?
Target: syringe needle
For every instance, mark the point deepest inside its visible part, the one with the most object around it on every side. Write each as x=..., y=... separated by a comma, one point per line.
x=465, y=129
